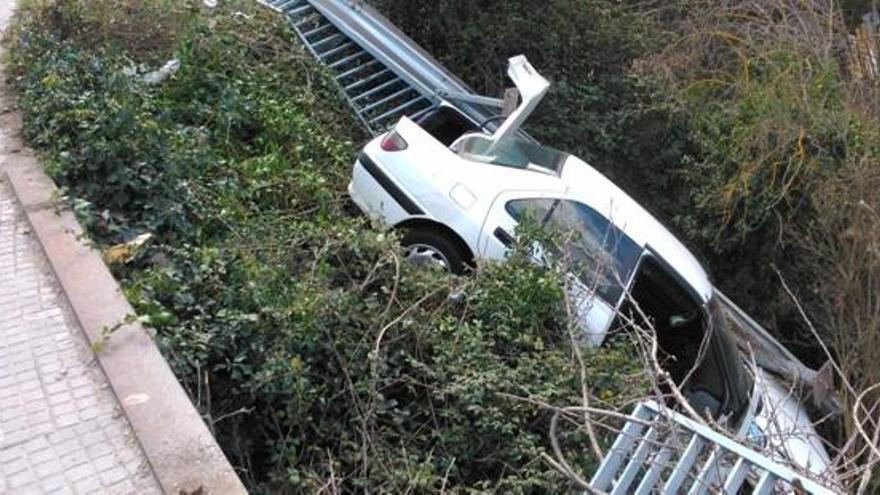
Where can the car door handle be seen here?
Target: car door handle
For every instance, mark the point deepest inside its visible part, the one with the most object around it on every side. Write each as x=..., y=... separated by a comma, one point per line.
x=504, y=237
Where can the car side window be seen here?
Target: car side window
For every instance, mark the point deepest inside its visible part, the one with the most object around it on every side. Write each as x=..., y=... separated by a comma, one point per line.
x=593, y=249
x=534, y=209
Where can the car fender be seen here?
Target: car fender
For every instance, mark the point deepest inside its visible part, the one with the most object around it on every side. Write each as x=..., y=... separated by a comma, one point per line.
x=787, y=429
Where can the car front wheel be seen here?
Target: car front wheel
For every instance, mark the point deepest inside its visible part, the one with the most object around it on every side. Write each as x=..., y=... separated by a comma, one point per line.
x=433, y=249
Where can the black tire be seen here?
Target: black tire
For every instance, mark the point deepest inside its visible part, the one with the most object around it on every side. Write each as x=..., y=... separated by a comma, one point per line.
x=455, y=260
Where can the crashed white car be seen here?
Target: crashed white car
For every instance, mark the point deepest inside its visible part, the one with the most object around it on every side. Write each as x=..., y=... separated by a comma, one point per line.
x=458, y=192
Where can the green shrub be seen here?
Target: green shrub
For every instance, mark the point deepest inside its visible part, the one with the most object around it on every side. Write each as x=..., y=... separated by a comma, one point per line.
x=313, y=352
x=773, y=117
x=765, y=144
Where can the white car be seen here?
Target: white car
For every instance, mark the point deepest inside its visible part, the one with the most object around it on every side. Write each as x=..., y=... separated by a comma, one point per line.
x=458, y=192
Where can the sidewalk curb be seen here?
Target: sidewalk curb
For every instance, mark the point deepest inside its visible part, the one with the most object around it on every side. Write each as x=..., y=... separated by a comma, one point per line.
x=182, y=452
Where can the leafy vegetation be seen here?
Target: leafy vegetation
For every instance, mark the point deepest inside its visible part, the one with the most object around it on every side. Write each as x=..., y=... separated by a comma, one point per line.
x=783, y=175
x=318, y=358
x=321, y=360
x=743, y=125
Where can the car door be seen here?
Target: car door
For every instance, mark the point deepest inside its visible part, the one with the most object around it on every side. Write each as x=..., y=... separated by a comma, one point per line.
x=499, y=227
x=600, y=258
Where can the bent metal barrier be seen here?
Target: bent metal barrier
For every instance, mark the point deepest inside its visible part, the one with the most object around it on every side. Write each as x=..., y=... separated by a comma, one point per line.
x=383, y=73
x=384, y=76
x=661, y=451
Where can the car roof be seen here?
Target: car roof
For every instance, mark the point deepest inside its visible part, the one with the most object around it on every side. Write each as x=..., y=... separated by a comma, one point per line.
x=586, y=184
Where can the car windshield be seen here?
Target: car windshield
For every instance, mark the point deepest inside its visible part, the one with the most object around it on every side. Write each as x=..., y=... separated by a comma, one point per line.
x=721, y=373
x=597, y=252
x=515, y=152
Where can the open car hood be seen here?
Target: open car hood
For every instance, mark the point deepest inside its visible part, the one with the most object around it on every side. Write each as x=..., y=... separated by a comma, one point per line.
x=532, y=87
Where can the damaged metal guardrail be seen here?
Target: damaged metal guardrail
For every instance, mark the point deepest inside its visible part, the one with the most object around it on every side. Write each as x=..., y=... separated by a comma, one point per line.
x=641, y=460
x=383, y=73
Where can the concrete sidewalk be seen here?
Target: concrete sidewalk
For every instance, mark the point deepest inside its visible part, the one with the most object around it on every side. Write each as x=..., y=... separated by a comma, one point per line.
x=61, y=428
x=73, y=420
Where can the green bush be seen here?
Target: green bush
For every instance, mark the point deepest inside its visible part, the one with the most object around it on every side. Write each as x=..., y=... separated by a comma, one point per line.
x=774, y=117
x=315, y=355
x=778, y=130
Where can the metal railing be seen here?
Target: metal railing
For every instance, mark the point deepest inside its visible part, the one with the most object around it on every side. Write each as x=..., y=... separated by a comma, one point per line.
x=661, y=451
x=383, y=74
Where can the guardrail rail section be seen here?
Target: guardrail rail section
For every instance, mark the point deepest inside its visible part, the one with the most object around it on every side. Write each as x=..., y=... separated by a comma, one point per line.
x=383, y=73
x=662, y=451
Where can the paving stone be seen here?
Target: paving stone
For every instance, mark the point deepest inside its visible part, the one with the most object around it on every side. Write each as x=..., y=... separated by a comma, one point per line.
x=60, y=430
x=53, y=482
x=21, y=479
x=88, y=485
x=41, y=456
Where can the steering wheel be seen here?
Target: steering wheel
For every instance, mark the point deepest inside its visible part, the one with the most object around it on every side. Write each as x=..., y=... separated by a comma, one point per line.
x=490, y=120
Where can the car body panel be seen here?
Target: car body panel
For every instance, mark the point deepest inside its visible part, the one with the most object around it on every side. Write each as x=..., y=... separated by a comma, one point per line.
x=433, y=176
x=589, y=186
x=787, y=428
x=531, y=86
